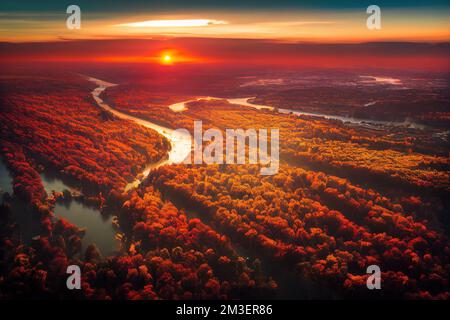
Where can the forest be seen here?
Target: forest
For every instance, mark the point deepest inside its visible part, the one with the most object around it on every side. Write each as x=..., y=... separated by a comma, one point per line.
x=345, y=197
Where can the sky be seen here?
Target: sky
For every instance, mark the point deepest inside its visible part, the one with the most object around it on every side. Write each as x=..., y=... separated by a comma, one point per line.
x=413, y=35
x=313, y=21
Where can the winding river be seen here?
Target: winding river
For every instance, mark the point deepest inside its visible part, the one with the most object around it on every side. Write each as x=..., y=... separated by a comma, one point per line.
x=180, y=143
x=181, y=106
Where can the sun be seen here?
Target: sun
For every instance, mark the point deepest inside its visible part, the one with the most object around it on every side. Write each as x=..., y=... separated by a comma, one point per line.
x=172, y=57
x=167, y=59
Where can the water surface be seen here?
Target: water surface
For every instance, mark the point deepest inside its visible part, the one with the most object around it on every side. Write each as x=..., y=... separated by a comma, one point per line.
x=5, y=179
x=99, y=227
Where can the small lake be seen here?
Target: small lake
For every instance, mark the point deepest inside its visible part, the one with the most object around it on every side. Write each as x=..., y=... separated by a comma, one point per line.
x=99, y=227
x=5, y=179
x=21, y=213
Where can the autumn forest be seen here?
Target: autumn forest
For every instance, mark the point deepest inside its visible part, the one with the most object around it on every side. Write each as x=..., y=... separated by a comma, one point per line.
x=347, y=195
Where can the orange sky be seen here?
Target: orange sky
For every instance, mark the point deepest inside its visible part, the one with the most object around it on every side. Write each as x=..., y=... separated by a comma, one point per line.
x=281, y=32
x=296, y=25
x=414, y=56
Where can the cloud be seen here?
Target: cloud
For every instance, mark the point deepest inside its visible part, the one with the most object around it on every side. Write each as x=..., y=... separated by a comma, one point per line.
x=172, y=23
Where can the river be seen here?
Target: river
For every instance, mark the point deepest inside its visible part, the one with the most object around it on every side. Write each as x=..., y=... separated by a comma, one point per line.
x=180, y=143
x=181, y=106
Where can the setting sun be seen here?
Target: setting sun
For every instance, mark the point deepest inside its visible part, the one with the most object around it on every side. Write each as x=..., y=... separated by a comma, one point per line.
x=166, y=59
